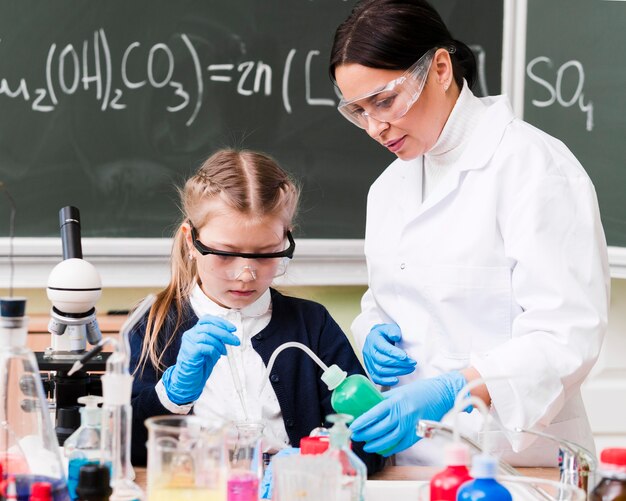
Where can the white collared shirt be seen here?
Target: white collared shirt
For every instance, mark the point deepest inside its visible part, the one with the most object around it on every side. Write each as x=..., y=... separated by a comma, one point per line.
x=219, y=398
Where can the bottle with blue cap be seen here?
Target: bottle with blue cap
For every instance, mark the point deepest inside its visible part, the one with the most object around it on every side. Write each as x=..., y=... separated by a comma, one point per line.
x=84, y=445
x=484, y=487
x=29, y=449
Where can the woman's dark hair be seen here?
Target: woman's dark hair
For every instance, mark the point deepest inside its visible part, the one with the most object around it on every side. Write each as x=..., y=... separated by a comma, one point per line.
x=394, y=34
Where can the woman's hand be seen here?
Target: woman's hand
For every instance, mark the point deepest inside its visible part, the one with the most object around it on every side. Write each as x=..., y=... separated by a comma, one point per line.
x=390, y=426
x=383, y=360
x=200, y=349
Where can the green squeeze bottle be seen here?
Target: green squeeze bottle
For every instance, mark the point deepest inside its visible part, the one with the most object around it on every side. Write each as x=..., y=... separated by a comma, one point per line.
x=353, y=395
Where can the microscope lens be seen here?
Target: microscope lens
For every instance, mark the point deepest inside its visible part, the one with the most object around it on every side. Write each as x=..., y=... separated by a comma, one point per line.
x=28, y=385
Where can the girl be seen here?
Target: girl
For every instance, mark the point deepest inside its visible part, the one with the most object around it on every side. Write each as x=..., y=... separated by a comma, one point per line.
x=234, y=238
x=484, y=245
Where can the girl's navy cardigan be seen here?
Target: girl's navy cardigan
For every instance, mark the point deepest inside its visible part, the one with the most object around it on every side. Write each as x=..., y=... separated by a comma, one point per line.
x=304, y=399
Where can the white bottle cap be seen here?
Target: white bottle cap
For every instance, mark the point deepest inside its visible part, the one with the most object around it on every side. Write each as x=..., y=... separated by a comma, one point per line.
x=456, y=454
x=333, y=376
x=484, y=466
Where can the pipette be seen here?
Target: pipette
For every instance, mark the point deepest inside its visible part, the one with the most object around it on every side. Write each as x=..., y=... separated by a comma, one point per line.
x=232, y=363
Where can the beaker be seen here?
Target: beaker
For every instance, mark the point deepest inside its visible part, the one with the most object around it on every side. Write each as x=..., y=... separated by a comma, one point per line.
x=245, y=458
x=29, y=450
x=186, y=459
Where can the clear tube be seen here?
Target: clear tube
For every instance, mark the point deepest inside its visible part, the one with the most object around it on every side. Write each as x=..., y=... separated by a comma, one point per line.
x=234, y=372
x=284, y=346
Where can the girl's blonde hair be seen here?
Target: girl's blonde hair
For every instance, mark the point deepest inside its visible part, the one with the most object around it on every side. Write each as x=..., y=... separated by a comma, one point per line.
x=250, y=183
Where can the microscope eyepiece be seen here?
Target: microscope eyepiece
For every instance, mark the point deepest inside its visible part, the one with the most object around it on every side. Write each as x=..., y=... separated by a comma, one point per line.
x=69, y=222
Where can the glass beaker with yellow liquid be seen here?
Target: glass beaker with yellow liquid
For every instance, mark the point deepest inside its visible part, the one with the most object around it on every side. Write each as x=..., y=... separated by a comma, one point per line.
x=186, y=459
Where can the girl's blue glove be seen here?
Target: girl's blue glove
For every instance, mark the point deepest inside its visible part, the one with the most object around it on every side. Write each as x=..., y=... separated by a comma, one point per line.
x=383, y=360
x=268, y=482
x=390, y=426
x=200, y=349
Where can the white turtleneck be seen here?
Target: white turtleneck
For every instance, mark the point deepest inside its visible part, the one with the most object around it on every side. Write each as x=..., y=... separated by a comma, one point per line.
x=440, y=160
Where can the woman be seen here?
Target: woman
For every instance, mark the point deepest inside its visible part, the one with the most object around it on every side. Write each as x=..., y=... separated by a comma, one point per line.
x=485, y=251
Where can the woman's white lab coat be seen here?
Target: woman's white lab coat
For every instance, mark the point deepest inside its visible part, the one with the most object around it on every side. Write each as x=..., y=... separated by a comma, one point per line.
x=504, y=268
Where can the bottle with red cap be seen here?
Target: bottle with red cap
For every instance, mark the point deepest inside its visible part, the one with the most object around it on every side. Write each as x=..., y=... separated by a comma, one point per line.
x=612, y=471
x=41, y=491
x=445, y=484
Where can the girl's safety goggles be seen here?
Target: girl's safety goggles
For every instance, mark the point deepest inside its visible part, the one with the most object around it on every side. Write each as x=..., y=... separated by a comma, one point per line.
x=392, y=101
x=257, y=265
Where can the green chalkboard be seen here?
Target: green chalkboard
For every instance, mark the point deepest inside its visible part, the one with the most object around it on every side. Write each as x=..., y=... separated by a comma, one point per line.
x=106, y=105
x=575, y=89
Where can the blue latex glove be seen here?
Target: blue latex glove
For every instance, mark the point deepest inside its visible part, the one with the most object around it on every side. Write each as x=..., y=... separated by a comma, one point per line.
x=383, y=360
x=268, y=481
x=390, y=426
x=200, y=349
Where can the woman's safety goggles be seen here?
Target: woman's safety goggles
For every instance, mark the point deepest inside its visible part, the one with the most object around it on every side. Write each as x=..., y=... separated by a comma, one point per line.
x=257, y=265
x=391, y=102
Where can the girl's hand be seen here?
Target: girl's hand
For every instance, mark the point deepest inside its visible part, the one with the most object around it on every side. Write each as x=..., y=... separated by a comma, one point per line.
x=200, y=349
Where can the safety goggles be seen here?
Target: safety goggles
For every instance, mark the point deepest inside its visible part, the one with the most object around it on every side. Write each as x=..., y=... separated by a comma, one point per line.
x=258, y=265
x=394, y=100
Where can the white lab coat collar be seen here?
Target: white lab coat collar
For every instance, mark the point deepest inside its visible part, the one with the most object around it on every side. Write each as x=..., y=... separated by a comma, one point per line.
x=481, y=147
x=203, y=305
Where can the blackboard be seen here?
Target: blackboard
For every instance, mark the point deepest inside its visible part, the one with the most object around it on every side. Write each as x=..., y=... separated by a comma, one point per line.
x=105, y=105
x=575, y=89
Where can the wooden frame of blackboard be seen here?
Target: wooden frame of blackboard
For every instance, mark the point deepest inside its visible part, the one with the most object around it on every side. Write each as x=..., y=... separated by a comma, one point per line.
x=143, y=262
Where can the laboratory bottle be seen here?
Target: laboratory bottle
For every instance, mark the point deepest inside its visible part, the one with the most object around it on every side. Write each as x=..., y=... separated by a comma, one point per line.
x=612, y=473
x=316, y=442
x=94, y=483
x=84, y=445
x=353, y=470
x=484, y=487
x=29, y=449
x=41, y=491
x=352, y=395
x=445, y=484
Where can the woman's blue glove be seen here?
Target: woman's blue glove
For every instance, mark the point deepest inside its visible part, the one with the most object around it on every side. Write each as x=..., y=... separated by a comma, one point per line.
x=390, y=426
x=268, y=481
x=200, y=349
x=383, y=360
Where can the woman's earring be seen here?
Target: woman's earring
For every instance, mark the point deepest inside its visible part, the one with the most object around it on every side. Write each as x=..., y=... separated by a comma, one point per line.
x=446, y=86
x=190, y=256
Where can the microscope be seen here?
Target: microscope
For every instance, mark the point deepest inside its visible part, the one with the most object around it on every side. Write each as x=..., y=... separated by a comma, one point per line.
x=73, y=288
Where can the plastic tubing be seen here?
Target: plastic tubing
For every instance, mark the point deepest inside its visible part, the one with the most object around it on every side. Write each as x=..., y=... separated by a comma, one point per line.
x=461, y=402
x=284, y=346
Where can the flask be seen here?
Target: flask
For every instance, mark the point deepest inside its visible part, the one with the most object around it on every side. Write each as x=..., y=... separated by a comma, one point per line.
x=484, y=485
x=445, y=484
x=29, y=449
x=94, y=483
x=353, y=470
x=84, y=445
x=246, y=462
x=612, y=470
x=352, y=395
